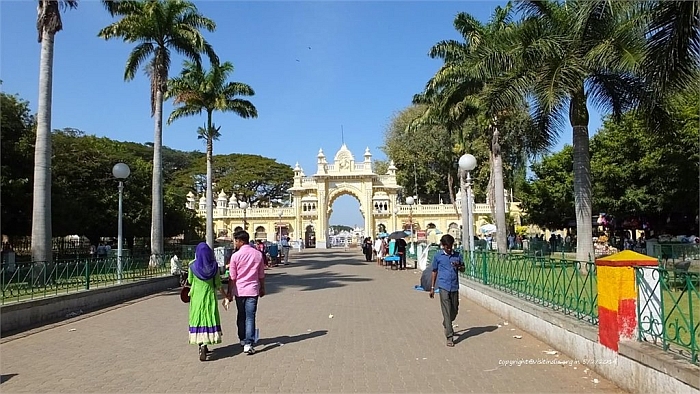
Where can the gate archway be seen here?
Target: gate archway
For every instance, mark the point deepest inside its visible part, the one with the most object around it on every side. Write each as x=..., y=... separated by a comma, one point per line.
x=314, y=195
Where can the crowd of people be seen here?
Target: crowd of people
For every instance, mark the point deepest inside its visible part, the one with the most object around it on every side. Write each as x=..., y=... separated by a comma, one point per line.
x=246, y=285
x=383, y=247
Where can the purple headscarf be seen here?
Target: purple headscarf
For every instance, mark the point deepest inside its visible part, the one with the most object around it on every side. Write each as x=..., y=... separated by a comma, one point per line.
x=205, y=266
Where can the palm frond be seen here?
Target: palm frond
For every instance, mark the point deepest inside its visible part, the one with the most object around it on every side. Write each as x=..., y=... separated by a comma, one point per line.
x=136, y=59
x=184, y=111
x=673, y=51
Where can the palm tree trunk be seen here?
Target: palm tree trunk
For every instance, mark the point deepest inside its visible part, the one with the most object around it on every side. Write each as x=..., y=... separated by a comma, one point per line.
x=578, y=116
x=157, y=185
x=41, y=211
x=499, y=198
x=210, y=196
x=490, y=187
x=450, y=188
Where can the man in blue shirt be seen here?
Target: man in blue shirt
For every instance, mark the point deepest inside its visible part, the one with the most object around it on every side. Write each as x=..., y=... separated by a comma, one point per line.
x=445, y=265
x=286, y=247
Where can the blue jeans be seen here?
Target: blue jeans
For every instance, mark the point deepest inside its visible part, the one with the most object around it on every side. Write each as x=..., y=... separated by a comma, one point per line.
x=247, y=307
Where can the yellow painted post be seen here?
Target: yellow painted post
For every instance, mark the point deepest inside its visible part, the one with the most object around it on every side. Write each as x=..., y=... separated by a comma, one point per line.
x=617, y=296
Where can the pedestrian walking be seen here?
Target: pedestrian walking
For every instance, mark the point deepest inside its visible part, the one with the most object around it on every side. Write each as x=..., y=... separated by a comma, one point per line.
x=204, y=320
x=286, y=248
x=247, y=283
x=446, y=264
x=367, y=248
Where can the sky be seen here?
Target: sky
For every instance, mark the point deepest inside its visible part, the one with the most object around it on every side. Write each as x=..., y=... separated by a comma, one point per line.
x=315, y=67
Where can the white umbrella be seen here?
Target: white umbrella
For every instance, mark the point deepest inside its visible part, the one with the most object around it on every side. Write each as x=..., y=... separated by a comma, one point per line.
x=488, y=228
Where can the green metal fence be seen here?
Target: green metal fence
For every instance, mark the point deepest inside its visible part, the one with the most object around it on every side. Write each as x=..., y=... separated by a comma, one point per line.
x=27, y=281
x=674, y=322
x=555, y=283
x=672, y=253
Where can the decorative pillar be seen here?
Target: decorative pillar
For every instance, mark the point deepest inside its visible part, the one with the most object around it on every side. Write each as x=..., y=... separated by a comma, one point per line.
x=322, y=211
x=617, y=296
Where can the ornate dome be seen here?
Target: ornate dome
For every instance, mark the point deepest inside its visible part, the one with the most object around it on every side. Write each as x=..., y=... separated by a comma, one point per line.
x=344, y=154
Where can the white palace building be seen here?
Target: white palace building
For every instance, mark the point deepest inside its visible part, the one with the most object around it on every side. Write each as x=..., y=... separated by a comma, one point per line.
x=313, y=197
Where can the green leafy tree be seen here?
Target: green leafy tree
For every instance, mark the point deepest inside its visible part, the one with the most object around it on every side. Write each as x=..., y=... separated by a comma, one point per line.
x=196, y=91
x=17, y=140
x=158, y=27
x=259, y=180
x=422, y=154
x=548, y=197
x=83, y=178
x=642, y=173
x=572, y=53
x=457, y=91
x=638, y=173
x=380, y=167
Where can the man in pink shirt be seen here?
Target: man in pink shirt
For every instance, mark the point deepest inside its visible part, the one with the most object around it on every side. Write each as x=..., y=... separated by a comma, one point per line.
x=248, y=283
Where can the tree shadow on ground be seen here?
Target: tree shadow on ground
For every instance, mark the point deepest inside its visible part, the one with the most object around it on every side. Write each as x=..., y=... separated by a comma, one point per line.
x=264, y=344
x=5, y=377
x=472, y=332
x=278, y=280
x=319, y=260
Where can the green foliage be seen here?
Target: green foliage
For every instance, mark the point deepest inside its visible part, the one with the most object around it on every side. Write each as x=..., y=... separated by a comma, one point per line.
x=548, y=199
x=423, y=155
x=252, y=178
x=380, y=166
x=17, y=145
x=635, y=172
x=85, y=194
x=641, y=173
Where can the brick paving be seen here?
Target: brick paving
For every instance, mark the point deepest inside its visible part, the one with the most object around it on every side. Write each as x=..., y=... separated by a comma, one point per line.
x=383, y=337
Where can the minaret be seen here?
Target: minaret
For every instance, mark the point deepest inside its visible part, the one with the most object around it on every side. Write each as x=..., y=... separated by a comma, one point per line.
x=368, y=161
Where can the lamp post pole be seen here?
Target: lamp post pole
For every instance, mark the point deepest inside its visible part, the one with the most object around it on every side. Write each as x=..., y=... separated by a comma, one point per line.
x=120, y=171
x=396, y=212
x=244, y=207
x=467, y=163
x=410, y=201
x=280, y=227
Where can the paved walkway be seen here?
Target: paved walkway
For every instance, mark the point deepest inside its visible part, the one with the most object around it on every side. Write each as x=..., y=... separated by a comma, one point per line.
x=383, y=337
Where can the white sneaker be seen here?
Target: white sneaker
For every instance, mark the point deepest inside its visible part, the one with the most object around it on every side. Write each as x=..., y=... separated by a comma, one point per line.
x=248, y=349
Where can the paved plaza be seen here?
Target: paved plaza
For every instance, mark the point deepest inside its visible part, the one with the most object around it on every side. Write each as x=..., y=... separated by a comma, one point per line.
x=330, y=323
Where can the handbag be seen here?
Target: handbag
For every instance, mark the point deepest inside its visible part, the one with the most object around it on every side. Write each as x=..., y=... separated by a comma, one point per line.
x=185, y=293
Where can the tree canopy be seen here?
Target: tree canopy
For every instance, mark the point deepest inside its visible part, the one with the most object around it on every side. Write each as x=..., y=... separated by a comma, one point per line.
x=85, y=198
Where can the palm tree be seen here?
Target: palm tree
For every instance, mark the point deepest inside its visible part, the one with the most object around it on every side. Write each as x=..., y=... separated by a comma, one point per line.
x=197, y=91
x=458, y=89
x=572, y=52
x=159, y=26
x=48, y=23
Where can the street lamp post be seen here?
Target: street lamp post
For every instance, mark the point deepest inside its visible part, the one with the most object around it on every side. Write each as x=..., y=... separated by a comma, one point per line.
x=467, y=163
x=244, y=207
x=120, y=171
x=280, y=226
x=410, y=201
x=396, y=212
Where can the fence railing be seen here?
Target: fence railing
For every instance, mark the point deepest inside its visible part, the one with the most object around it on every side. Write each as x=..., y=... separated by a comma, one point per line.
x=563, y=285
x=668, y=310
x=32, y=280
